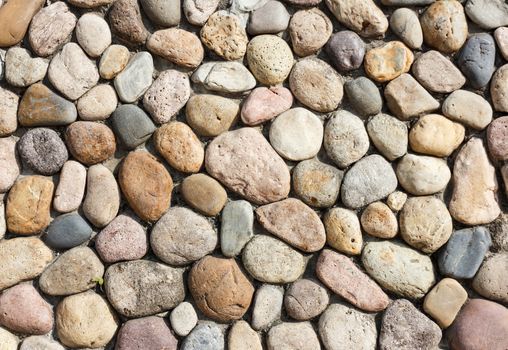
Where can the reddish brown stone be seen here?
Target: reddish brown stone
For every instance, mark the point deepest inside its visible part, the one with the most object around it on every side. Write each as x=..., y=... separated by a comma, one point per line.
x=497, y=139
x=90, y=142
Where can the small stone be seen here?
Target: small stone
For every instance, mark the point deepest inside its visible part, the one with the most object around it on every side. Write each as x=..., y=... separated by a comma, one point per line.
x=85, y=320
x=242, y=337
x=227, y=77
x=267, y=306
x=21, y=69
x=364, y=96
x=148, y=332
x=499, y=89
x=198, y=11
x=163, y=13
x=270, y=59
x=270, y=260
x=468, y=108
x=389, y=135
x=10, y=166
x=464, y=252
x=316, y=85
x=491, y=281
x=183, y=319
x=67, y=231
x=132, y=82
x=15, y=18
x=206, y=335
x=476, y=59
x=423, y=175
x=408, y=99
x=499, y=228
x=42, y=150
x=8, y=112
x=444, y=26
x=346, y=50
x=405, y=24
x=488, y=14
x=287, y=335
x=224, y=34
x=90, y=142
x=90, y=3
x=271, y=18
x=142, y=287
x=102, y=199
x=23, y=310
x=404, y=327
x=98, y=103
x=501, y=35
x=131, y=125
x=362, y=16
x=71, y=187
x=178, y=46
x=379, y=221
x=343, y=231
x=305, y=299
x=73, y=272
x=369, y=180
x=387, y=62
x=264, y=103
x=113, y=61
x=237, y=221
x=396, y=200
x=28, y=205
x=444, y=301
x=126, y=22
x=39, y=342
x=309, y=31
x=204, y=194
x=182, y=236
x=497, y=134
x=437, y=73
x=93, y=34
x=398, y=268
x=211, y=115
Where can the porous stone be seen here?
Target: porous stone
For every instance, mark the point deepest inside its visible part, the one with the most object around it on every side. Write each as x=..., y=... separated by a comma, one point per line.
x=501, y=36
x=267, y=306
x=42, y=150
x=499, y=89
x=133, y=81
x=126, y=22
x=147, y=332
x=21, y=69
x=40, y=342
x=163, y=13
x=8, y=110
x=178, y=46
x=206, y=332
x=405, y=24
x=98, y=103
x=389, y=135
x=298, y=335
x=227, y=77
x=362, y=16
x=271, y=18
x=67, y=231
x=488, y=14
x=468, y=108
x=491, y=280
x=387, y=62
x=497, y=133
x=379, y=221
x=131, y=125
x=16, y=17
x=93, y=34
x=444, y=301
x=198, y=11
x=237, y=221
x=264, y=103
x=396, y=200
x=346, y=50
x=204, y=194
x=224, y=34
x=242, y=337
x=309, y=31
x=476, y=59
x=305, y=299
x=423, y=175
x=364, y=96
x=437, y=73
x=10, y=166
x=211, y=115
x=71, y=187
x=90, y=142
x=183, y=318
x=113, y=60
x=343, y=231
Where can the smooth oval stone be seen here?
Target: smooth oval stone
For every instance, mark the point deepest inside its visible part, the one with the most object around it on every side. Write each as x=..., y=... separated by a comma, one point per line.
x=183, y=318
x=42, y=150
x=102, y=199
x=113, y=60
x=345, y=50
x=227, y=77
x=444, y=301
x=389, y=135
x=271, y=18
x=224, y=34
x=468, y=108
x=93, y=34
x=305, y=299
x=300, y=333
x=270, y=260
x=141, y=288
x=343, y=231
x=422, y=175
x=98, y=103
x=163, y=13
x=136, y=78
x=499, y=89
x=501, y=35
x=309, y=31
x=497, y=133
x=237, y=220
x=398, y=268
x=40, y=342
x=131, y=125
x=73, y=272
x=71, y=187
x=437, y=73
x=405, y=24
x=206, y=332
x=364, y=96
x=267, y=308
x=67, y=231
x=148, y=332
x=15, y=17
x=126, y=22
x=42, y=107
x=387, y=62
x=204, y=193
x=491, y=280
x=263, y=104
x=488, y=14
x=240, y=334
x=21, y=69
x=378, y=220
x=211, y=115
x=476, y=59
x=8, y=110
x=178, y=46
x=10, y=166
x=90, y=142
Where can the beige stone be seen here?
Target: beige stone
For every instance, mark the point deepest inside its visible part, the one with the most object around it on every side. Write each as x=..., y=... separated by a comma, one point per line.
x=379, y=221
x=204, y=194
x=499, y=89
x=242, y=337
x=113, y=61
x=102, y=199
x=422, y=175
x=309, y=31
x=491, y=280
x=468, y=108
x=10, y=165
x=71, y=187
x=444, y=301
x=437, y=73
x=343, y=231
x=211, y=115
x=224, y=34
x=15, y=17
x=387, y=62
x=178, y=46
x=8, y=109
x=98, y=103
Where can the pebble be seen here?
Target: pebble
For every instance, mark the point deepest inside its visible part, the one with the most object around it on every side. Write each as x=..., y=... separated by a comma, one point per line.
x=207, y=335
x=28, y=205
x=211, y=115
x=340, y=274
x=369, y=180
x=345, y=139
x=316, y=183
x=67, y=231
x=50, y=28
x=396, y=200
x=344, y=327
x=133, y=81
x=242, y=337
x=387, y=62
x=198, y=11
x=423, y=175
x=75, y=271
x=42, y=150
x=163, y=13
x=405, y=24
x=90, y=142
x=343, y=231
x=491, y=280
x=269, y=260
x=126, y=22
x=437, y=73
x=379, y=221
x=476, y=59
x=93, y=34
x=85, y=320
x=468, y=108
x=224, y=34
x=261, y=177
x=364, y=96
x=444, y=301
x=148, y=332
x=264, y=104
x=71, y=72
x=444, y=26
x=113, y=60
x=102, y=199
x=179, y=146
x=10, y=166
x=227, y=77
x=21, y=69
x=237, y=221
x=389, y=135
x=90, y=3
x=499, y=231
x=346, y=50
x=132, y=126
x=488, y=14
x=406, y=98
x=15, y=18
x=464, y=252
x=183, y=319
x=204, y=194
x=309, y=31
x=8, y=111
x=176, y=45
x=181, y=236
x=497, y=134
x=361, y=16
x=269, y=58
x=142, y=287
x=501, y=35
x=405, y=327
x=23, y=310
x=39, y=342
x=122, y=239
x=293, y=222
x=305, y=299
x=499, y=89
x=267, y=306
x=287, y=335
x=316, y=85
x=436, y=135
x=271, y=18
x=71, y=187
x=23, y=259
x=398, y=268
x=98, y=103
x=474, y=200
x=296, y=134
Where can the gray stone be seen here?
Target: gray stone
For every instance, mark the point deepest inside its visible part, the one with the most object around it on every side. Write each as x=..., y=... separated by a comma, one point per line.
x=476, y=59
x=346, y=50
x=389, y=135
x=237, y=222
x=499, y=233
x=132, y=126
x=305, y=299
x=136, y=78
x=437, y=73
x=21, y=69
x=40, y=342
x=229, y=77
x=464, y=252
x=206, y=335
x=404, y=22
x=491, y=281
x=165, y=13
x=488, y=14
x=267, y=306
x=67, y=231
x=364, y=95
x=183, y=318
x=271, y=18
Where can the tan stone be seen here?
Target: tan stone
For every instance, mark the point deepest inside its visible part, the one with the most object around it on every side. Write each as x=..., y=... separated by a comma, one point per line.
x=343, y=231
x=224, y=34
x=379, y=221
x=242, y=337
x=204, y=194
x=444, y=301
x=437, y=73
x=178, y=46
x=10, y=166
x=468, y=108
x=309, y=31
x=15, y=17
x=90, y=142
x=8, y=110
x=389, y=61
x=113, y=61
x=499, y=89
x=396, y=200
x=491, y=280
x=211, y=115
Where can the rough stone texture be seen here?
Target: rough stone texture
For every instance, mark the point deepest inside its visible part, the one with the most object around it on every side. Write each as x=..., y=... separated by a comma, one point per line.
x=93, y=34
x=299, y=335
x=204, y=194
x=309, y=31
x=343, y=231
x=113, y=61
x=98, y=103
x=422, y=175
x=405, y=24
x=305, y=299
x=10, y=166
x=379, y=221
x=362, y=16
x=163, y=13
x=90, y=142
x=499, y=233
x=133, y=81
x=437, y=73
x=491, y=281
x=67, y=231
x=346, y=50
x=389, y=135
x=148, y=332
x=242, y=337
x=132, y=126
x=488, y=14
x=263, y=104
x=16, y=16
x=126, y=22
x=476, y=59
x=42, y=150
x=21, y=69
x=211, y=115
x=271, y=18
x=364, y=96
x=207, y=335
x=468, y=108
x=8, y=340
x=178, y=46
x=198, y=11
x=183, y=318
x=227, y=77
x=387, y=62
x=237, y=220
x=499, y=89
x=8, y=110
x=267, y=306
x=224, y=34
x=269, y=58
x=444, y=301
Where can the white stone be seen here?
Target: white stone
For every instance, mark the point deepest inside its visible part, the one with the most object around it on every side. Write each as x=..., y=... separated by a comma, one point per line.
x=183, y=319
x=267, y=306
x=93, y=34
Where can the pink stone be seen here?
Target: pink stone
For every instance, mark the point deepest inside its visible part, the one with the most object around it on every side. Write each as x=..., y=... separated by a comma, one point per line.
x=146, y=333
x=497, y=139
x=266, y=103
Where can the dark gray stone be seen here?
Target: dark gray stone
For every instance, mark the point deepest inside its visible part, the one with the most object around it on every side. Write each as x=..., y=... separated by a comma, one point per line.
x=476, y=59
x=206, y=336
x=132, y=125
x=165, y=13
x=271, y=18
x=346, y=50
x=464, y=252
x=43, y=151
x=364, y=96
x=236, y=227
x=67, y=231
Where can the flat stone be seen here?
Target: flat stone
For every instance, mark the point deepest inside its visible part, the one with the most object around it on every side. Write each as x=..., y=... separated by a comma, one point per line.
x=146, y=185
x=122, y=239
x=437, y=73
x=361, y=16
x=21, y=69
x=42, y=150
x=236, y=228
x=182, y=236
x=75, y=271
x=10, y=166
x=126, y=22
x=142, y=287
x=499, y=89
x=364, y=96
x=423, y=175
x=211, y=115
x=224, y=34
x=242, y=337
x=133, y=81
x=90, y=142
x=113, y=60
x=178, y=46
x=398, y=268
x=405, y=24
x=183, y=319
x=67, y=231
x=93, y=34
x=389, y=135
x=39, y=342
x=102, y=199
x=152, y=332
x=387, y=62
x=28, y=205
x=264, y=104
x=309, y=31
x=132, y=126
x=98, y=103
x=227, y=77
x=287, y=335
x=270, y=260
x=305, y=299
x=8, y=112
x=346, y=50
x=501, y=35
x=444, y=301
x=476, y=59
x=491, y=280
x=497, y=133
x=163, y=13
x=468, y=108
x=204, y=194
x=267, y=306
x=379, y=221
x=369, y=180
x=343, y=231
x=271, y=18
x=9, y=340
x=197, y=12
x=16, y=17
x=207, y=335
x=90, y=3
x=71, y=187
x=488, y=14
